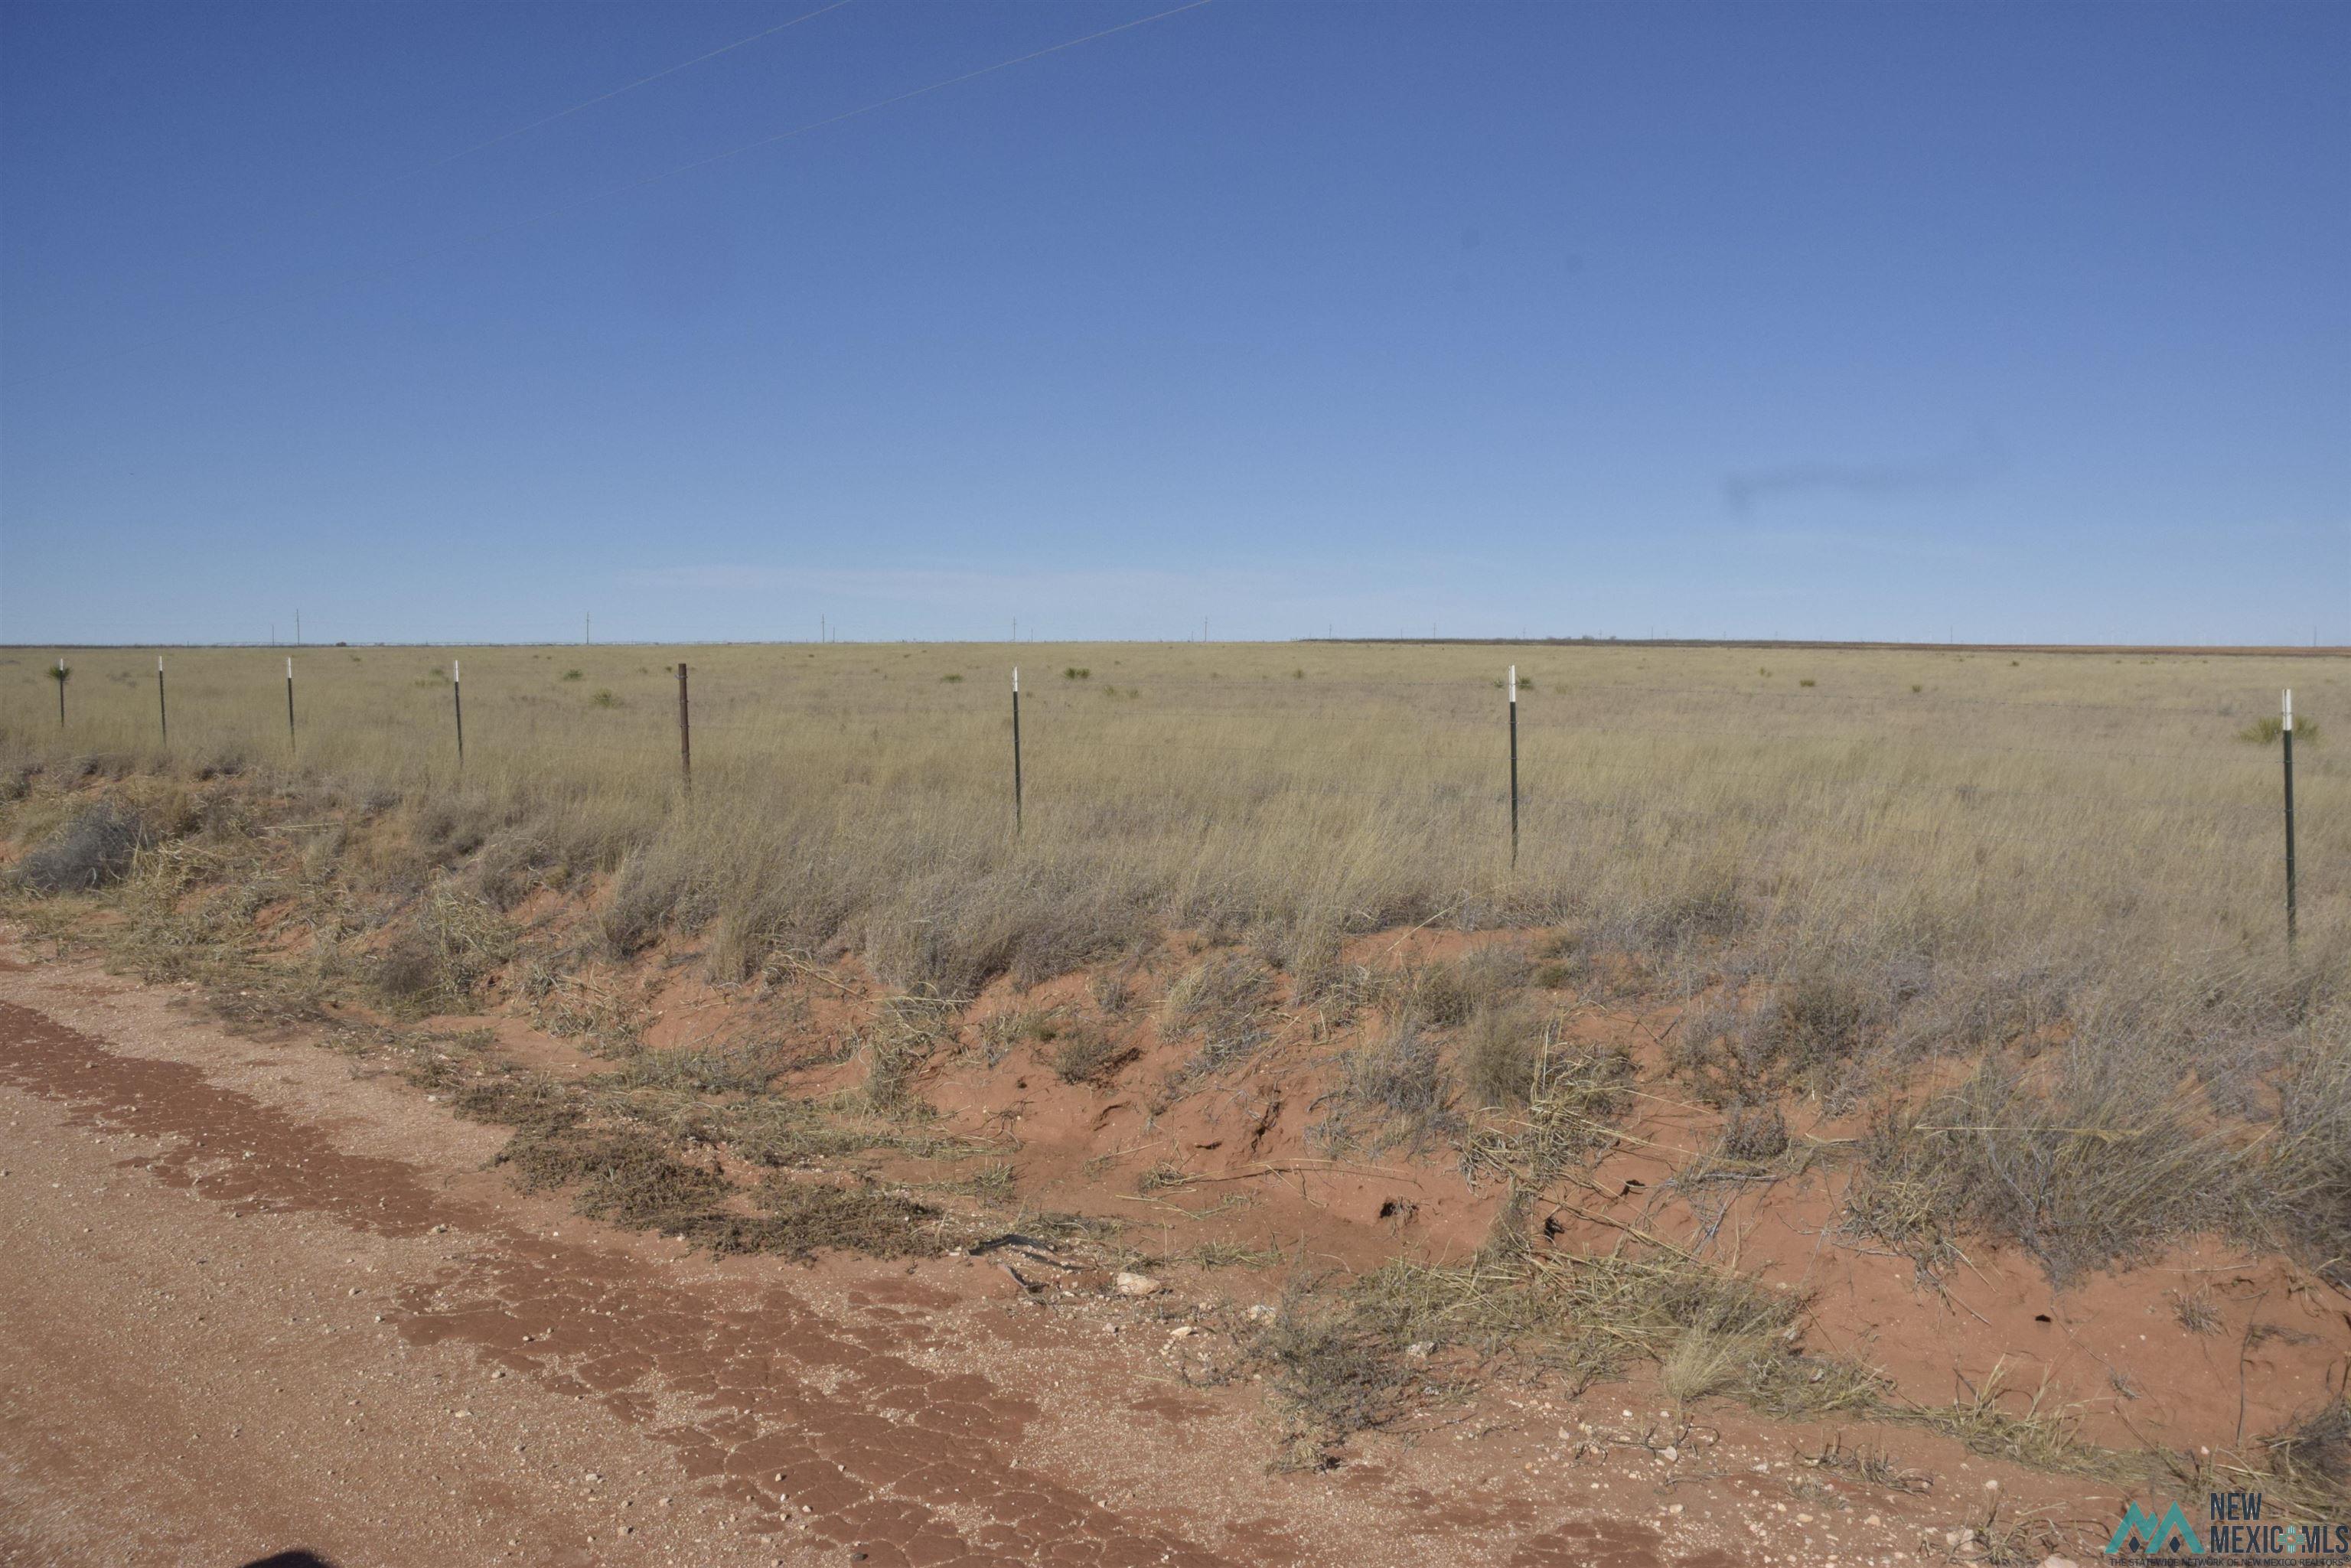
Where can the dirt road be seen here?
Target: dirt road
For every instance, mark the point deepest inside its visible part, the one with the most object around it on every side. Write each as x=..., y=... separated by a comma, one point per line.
x=255, y=1301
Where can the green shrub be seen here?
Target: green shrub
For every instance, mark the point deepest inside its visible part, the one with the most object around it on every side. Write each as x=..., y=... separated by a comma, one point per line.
x=2266, y=731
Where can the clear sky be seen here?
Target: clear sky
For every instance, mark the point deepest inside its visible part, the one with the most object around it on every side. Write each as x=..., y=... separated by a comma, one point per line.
x=2011, y=322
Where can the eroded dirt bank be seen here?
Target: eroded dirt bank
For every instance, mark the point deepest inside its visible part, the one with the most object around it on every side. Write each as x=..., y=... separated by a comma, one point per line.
x=257, y=1300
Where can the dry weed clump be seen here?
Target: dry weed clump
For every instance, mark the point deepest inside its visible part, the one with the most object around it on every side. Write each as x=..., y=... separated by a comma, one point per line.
x=1335, y=1374
x=1446, y=993
x=92, y=849
x=1503, y=1050
x=2313, y=1455
x=1573, y=1100
x=1221, y=1003
x=632, y=1177
x=1090, y=1056
x=2092, y=1167
x=1810, y=1037
x=438, y=958
x=1394, y=1091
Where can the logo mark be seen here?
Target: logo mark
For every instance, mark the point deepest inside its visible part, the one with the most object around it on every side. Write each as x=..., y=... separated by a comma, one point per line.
x=2153, y=1535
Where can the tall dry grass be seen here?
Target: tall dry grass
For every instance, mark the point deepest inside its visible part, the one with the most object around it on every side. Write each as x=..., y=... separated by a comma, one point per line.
x=1969, y=827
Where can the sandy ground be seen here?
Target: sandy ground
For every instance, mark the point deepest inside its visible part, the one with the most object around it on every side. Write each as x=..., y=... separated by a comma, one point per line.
x=255, y=1301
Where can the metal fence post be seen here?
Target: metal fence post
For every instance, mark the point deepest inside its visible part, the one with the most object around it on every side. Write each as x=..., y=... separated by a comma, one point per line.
x=457, y=703
x=1514, y=766
x=289, y=703
x=2285, y=739
x=684, y=732
x=163, y=710
x=1016, y=750
x=61, y=693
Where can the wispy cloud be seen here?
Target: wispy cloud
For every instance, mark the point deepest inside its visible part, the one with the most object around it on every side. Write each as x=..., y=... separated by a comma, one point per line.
x=1744, y=490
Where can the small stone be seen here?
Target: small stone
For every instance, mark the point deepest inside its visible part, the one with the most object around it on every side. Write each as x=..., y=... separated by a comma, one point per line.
x=2055, y=1562
x=1419, y=1350
x=1261, y=1313
x=1185, y=1332
x=1130, y=1284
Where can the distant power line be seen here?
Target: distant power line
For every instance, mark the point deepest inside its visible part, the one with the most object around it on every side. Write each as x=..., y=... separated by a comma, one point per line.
x=606, y=97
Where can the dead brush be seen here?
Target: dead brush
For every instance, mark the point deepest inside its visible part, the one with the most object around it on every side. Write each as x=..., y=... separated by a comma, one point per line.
x=577, y=1004
x=1089, y=1057
x=94, y=848
x=803, y=1218
x=2311, y=1458
x=1002, y=1032
x=1446, y=993
x=436, y=961
x=1575, y=1099
x=1393, y=1091
x=1221, y=1003
x=1710, y=1330
x=1502, y=1052
x=1752, y=1146
x=743, y=1069
x=623, y=1174
x=1871, y=1464
x=2298, y=1180
x=1807, y=1039
x=2197, y=1311
x=2024, y=1429
x=906, y=1031
x=2096, y=1166
x=1333, y=1375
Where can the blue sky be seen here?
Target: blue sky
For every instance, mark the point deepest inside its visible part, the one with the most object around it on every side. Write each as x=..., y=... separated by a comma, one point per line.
x=1839, y=321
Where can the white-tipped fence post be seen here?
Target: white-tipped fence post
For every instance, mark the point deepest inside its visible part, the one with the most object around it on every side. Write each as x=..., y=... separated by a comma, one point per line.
x=1514, y=766
x=685, y=734
x=1016, y=751
x=457, y=704
x=61, y=692
x=162, y=711
x=289, y=703
x=2285, y=739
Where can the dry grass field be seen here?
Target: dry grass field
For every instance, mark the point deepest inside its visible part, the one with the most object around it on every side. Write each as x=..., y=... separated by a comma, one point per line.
x=1972, y=814
x=1998, y=937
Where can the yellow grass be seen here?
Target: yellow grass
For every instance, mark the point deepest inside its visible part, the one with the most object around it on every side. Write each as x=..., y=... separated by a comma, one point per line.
x=2090, y=811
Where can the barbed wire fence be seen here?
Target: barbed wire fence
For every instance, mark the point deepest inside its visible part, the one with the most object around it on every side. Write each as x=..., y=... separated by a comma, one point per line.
x=1449, y=735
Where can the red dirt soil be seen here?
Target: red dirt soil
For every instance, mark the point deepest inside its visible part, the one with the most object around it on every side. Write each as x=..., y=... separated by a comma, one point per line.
x=255, y=1300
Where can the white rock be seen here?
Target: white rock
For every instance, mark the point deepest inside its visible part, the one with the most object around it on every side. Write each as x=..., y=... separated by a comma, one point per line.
x=1261, y=1313
x=1128, y=1284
